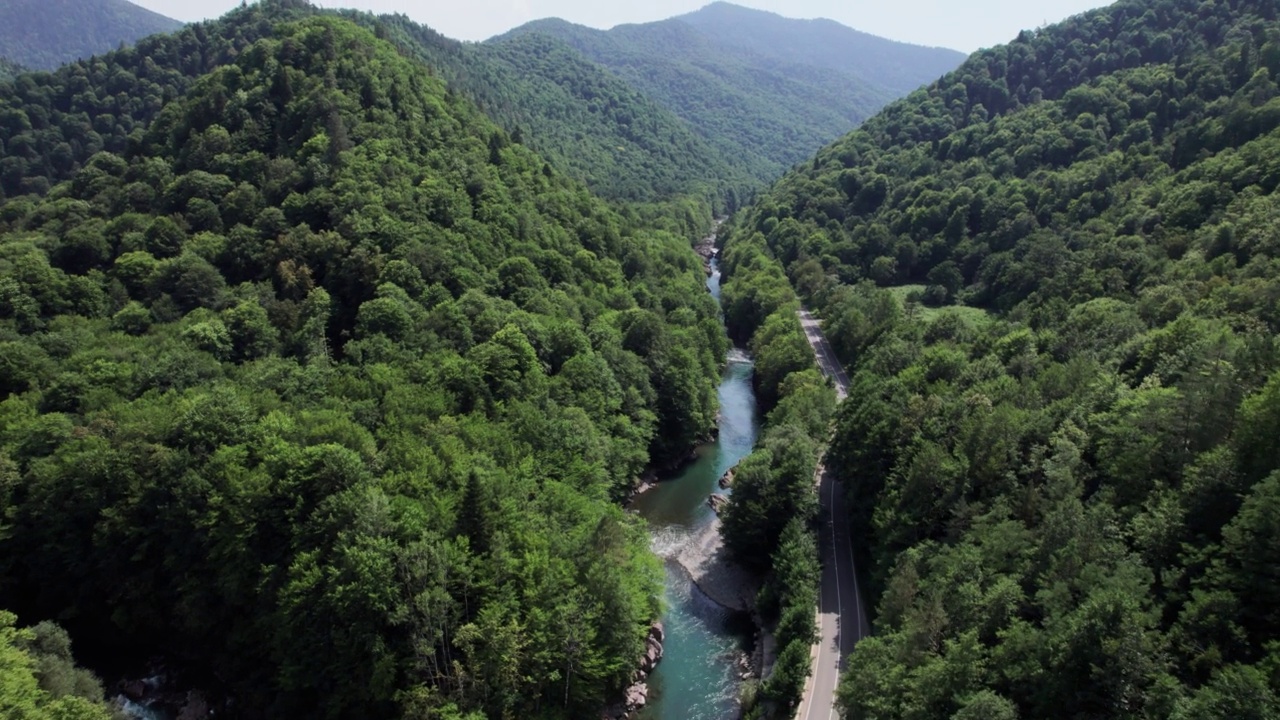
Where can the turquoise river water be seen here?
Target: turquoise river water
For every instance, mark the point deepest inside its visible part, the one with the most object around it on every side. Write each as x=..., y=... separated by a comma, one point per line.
x=698, y=678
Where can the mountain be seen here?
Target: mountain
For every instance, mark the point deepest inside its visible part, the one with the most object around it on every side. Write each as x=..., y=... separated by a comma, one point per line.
x=316, y=384
x=43, y=34
x=1053, y=276
x=764, y=90
x=894, y=67
x=586, y=120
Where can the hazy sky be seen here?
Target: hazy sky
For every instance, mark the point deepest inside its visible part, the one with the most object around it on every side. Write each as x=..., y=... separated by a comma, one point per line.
x=964, y=26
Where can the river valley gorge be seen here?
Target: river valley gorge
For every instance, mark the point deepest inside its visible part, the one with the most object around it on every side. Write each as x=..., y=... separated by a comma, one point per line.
x=698, y=678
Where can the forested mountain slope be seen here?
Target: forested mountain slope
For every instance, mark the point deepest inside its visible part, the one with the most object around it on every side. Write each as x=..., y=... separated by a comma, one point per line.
x=1054, y=278
x=51, y=126
x=314, y=382
x=621, y=143
x=43, y=34
x=741, y=79
x=587, y=122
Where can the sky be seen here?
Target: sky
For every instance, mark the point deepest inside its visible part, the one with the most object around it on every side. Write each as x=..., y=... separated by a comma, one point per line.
x=964, y=26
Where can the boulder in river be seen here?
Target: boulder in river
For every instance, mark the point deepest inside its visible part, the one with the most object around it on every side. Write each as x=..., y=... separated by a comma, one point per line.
x=637, y=697
x=726, y=480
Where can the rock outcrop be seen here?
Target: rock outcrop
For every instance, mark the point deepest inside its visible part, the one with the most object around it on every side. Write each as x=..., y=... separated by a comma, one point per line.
x=636, y=696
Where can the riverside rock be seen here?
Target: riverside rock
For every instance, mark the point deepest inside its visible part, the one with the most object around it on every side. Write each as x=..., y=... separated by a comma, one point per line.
x=636, y=696
x=726, y=480
x=717, y=503
x=652, y=655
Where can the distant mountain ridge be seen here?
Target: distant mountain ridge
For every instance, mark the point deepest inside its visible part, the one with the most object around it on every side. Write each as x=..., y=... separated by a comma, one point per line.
x=43, y=34
x=766, y=90
x=825, y=43
x=711, y=105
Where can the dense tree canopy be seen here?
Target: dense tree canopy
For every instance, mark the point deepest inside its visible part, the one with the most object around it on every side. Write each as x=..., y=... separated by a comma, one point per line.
x=764, y=90
x=769, y=523
x=582, y=117
x=1052, y=278
x=313, y=378
x=586, y=122
x=39, y=679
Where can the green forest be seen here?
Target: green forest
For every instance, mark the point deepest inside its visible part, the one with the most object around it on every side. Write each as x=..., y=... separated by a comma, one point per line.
x=1053, y=277
x=331, y=350
x=750, y=83
x=596, y=127
x=39, y=679
x=315, y=378
x=586, y=123
x=770, y=520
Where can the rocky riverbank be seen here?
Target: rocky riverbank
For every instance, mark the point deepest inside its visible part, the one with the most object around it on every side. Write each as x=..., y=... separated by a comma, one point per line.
x=157, y=695
x=636, y=696
x=706, y=247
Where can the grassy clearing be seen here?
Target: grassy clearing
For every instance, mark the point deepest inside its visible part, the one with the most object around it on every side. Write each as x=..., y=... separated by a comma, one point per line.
x=976, y=316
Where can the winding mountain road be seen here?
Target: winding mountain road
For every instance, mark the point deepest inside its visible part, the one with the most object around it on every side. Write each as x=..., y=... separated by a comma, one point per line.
x=842, y=619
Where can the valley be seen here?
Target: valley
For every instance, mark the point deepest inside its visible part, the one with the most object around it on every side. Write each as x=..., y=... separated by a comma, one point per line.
x=728, y=366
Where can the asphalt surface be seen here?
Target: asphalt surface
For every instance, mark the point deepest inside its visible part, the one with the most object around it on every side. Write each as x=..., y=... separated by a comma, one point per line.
x=842, y=619
x=826, y=357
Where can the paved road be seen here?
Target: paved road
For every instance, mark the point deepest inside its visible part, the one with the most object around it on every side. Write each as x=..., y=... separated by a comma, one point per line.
x=826, y=357
x=842, y=619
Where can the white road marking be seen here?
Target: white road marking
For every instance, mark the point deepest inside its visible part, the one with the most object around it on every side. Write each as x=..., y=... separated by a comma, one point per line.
x=827, y=363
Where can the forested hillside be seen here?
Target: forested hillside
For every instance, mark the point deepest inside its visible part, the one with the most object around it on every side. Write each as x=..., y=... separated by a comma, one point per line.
x=318, y=384
x=586, y=120
x=1053, y=276
x=43, y=34
x=749, y=82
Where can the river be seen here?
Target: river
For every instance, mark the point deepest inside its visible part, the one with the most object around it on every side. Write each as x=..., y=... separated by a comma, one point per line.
x=698, y=676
